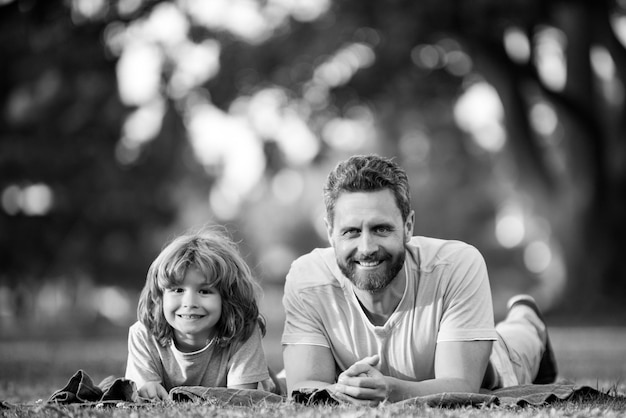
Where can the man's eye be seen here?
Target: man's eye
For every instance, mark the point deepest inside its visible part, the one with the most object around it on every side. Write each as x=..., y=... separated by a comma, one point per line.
x=351, y=233
x=383, y=229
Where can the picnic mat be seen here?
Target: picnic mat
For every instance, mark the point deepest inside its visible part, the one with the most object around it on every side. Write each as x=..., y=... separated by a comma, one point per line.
x=82, y=390
x=521, y=395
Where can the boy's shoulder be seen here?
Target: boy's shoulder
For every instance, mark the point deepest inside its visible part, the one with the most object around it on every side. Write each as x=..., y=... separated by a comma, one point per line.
x=139, y=330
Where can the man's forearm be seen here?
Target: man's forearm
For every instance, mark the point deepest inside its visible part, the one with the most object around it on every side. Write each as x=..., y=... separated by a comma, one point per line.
x=400, y=390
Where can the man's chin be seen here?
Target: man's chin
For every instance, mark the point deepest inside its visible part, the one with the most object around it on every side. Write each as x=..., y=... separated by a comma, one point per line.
x=372, y=289
x=372, y=280
x=369, y=283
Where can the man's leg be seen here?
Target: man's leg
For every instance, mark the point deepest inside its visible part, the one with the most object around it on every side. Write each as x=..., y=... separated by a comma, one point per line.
x=525, y=337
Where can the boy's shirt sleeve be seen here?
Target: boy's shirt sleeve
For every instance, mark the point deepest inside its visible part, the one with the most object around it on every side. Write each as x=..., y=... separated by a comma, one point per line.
x=248, y=363
x=142, y=366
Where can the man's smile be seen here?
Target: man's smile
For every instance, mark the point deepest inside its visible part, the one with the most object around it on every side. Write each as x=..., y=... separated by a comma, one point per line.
x=369, y=264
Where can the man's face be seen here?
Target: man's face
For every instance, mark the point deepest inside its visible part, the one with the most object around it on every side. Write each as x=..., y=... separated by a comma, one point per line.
x=368, y=236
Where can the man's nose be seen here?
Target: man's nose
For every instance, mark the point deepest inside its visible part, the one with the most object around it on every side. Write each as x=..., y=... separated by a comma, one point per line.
x=367, y=244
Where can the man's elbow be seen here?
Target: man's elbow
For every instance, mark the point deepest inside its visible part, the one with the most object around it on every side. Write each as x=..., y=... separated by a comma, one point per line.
x=304, y=385
x=467, y=385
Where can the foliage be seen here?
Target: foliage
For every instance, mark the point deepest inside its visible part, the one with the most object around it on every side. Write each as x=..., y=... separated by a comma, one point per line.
x=332, y=78
x=62, y=121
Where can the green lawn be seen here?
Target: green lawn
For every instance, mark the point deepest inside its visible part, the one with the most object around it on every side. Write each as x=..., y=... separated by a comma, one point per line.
x=30, y=370
x=591, y=354
x=584, y=355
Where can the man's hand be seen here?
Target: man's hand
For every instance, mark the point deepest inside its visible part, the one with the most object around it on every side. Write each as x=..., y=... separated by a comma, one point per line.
x=153, y=391
x=362, y=383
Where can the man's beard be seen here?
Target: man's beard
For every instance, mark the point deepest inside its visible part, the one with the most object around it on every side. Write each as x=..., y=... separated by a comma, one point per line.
x=373, y=281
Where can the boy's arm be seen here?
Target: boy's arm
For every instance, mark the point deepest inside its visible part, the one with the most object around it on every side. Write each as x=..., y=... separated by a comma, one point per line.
x=140, y=364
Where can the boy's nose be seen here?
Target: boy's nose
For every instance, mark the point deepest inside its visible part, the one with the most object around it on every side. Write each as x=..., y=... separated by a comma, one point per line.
x=189, y=299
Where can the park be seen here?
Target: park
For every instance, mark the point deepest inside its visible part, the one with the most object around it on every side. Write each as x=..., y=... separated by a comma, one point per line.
x=125, y=123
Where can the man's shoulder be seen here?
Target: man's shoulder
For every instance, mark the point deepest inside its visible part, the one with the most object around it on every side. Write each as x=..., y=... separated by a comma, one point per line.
x=435, y=251
x=316, y=268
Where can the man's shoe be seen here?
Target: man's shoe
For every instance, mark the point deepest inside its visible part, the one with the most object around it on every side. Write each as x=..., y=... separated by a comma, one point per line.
x=547, y=367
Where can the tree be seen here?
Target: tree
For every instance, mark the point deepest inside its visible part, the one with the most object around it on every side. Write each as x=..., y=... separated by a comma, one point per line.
x=59, y=138
x=301, y=85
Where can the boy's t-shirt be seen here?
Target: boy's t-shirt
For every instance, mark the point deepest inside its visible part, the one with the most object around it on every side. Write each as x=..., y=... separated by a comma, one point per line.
x=148, y=361
x=447, y=298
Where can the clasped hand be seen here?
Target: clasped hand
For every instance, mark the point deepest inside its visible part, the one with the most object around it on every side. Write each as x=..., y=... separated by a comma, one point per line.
x=362, y=383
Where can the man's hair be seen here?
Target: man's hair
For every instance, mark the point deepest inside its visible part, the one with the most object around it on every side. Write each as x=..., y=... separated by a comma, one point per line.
x=367, y=173
x=217, y=258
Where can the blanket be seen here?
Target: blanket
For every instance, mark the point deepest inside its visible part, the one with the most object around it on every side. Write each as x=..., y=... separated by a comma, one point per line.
x=82, y=390
x=521, y=395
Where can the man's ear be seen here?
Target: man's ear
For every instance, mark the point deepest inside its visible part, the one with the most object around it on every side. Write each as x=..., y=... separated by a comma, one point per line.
x=329, y=231
x=408, y=226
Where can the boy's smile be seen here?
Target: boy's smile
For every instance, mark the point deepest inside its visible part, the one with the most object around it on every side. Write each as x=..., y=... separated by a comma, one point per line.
x=185, y=316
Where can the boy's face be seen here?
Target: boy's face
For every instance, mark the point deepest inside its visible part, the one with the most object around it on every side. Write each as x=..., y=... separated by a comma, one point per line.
x=192, y=308
x=368, y=236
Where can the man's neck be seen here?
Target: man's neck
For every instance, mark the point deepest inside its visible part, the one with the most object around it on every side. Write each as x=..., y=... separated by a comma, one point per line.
x=379, y=306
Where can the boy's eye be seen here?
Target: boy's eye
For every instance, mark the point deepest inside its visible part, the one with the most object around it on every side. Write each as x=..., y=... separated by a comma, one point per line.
x=207, y=291
x=174, y=289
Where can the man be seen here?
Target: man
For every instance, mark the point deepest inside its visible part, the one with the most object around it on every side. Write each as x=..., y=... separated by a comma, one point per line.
x=382, y=315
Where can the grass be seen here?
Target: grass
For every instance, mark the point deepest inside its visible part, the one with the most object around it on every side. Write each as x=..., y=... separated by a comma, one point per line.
x=565, y=409
x=30, y=371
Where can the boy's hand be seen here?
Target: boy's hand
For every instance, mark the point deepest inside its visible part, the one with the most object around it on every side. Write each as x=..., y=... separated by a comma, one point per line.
x=153, y=391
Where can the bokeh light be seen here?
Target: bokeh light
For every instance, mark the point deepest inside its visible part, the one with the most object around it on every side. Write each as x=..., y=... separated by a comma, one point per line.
x=510, y=226
x=543, y=118
x=139, y=73
x=517, y=44
x=479, y=112
x=32, y=200
x=537, y=256
x=550, y=57
x=288, y=186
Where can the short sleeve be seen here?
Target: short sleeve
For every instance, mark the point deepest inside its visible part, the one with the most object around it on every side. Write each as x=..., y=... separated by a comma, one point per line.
x=302, y=322
x=467, y=304
x=248, y=363
x=143, y=364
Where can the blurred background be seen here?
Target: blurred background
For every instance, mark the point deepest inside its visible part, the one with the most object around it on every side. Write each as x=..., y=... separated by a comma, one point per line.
x=126, y=122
